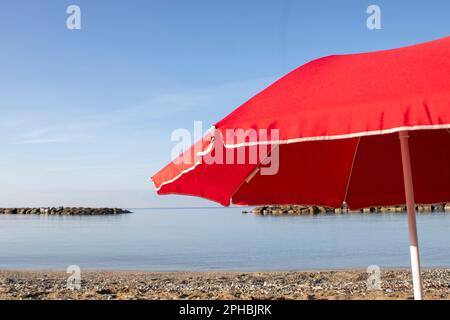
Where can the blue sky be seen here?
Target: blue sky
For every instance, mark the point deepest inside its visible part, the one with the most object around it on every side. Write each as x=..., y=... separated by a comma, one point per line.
x=86, y=115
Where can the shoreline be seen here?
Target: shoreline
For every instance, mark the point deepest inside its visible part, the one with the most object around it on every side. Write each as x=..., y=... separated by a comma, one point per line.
x=220, y=285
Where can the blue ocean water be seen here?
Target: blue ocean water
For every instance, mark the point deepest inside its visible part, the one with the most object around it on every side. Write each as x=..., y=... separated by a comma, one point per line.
x=218, y=239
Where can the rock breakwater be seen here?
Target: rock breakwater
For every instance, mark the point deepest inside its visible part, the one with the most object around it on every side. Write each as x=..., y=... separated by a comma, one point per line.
x=64, y=211
x=297, y=210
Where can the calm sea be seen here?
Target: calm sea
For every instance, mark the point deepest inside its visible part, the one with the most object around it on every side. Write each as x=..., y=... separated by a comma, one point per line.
x=218, y=239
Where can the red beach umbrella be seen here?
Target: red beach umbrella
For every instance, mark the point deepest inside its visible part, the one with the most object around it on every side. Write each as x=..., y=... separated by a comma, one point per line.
x=368, y=129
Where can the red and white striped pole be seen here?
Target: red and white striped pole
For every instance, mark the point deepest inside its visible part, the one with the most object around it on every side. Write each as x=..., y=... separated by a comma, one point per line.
x=410, y=204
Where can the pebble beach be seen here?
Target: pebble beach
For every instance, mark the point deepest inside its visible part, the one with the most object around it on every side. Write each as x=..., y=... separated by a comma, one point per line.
x=317, y=285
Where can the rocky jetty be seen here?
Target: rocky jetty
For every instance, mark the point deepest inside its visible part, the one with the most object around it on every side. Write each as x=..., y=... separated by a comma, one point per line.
x=296, y=210
x=64, y=211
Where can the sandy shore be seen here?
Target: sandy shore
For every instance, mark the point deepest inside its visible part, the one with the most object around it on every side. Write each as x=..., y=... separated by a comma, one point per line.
x=396, y=284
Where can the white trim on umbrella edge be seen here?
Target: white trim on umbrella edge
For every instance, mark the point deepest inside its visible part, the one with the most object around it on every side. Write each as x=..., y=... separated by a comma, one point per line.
x=298, y=140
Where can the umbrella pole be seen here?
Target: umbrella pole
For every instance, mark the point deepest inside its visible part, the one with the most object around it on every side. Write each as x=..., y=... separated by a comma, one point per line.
x=410, y=204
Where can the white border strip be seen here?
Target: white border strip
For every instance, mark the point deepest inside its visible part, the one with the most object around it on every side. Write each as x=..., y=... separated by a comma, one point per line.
x=298, y=140
x=177, y=176
x=199, y=154
x=338, y=137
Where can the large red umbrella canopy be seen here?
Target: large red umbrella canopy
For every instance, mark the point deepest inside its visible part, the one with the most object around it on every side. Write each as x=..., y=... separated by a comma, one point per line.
x=338, y=120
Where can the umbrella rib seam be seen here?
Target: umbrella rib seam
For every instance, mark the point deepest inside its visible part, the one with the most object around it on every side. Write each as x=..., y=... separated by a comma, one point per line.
x=351, y=169
x=250, y=176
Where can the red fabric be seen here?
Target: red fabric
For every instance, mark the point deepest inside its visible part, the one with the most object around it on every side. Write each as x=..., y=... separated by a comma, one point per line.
x=309, y=173
x=354, y=93
x=333, y=96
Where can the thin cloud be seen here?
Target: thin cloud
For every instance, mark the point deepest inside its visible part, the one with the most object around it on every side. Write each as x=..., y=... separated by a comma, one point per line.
x=41, y=136
x=204, y=102
x=43, y=141
x=227, y=95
